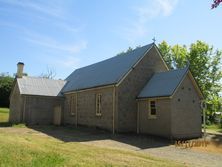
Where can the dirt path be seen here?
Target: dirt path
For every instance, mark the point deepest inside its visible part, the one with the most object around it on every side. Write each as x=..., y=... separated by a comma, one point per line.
x=197, y=156
x=187, y=156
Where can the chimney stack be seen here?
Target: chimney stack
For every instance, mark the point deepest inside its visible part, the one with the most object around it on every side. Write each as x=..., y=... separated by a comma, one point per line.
x=20, y=67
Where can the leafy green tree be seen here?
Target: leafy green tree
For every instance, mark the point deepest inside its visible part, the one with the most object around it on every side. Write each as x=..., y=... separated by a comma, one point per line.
x=205, y=65
x=179, y=56
x=127, y=51
x=6, y=83
x=166, y=53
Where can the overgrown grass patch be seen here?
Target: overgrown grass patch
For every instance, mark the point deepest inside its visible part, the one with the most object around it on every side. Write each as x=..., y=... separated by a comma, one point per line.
x=24, y=147
x=27, y=147
x=4, y=114
x=214, y=127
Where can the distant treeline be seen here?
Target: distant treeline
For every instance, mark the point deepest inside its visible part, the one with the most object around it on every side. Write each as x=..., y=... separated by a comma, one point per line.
x=6, y=83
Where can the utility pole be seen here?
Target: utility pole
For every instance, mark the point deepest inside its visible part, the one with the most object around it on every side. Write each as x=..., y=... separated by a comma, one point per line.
x=203, y=106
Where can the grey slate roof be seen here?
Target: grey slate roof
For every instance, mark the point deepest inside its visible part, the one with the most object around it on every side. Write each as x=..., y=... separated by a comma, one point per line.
x=163, y=84
x=40, y=86
x=106, y=72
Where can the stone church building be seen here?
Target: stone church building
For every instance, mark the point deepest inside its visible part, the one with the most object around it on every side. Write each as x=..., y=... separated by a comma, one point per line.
x=131, y=92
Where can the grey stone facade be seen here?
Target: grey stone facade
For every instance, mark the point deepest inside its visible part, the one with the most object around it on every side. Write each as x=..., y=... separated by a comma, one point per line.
x=32, y=109
x=39, y=109
x=161, y=125
x=86, y=108
x=125, y=112
x=131, y=86
x=15, y=107
x=186, y=111
x=177, y=117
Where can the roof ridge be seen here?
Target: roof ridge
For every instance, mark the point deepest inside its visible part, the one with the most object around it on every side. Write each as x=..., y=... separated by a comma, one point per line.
x=124, y=54
x=106, y=72
x=34, y=77
x=171, y=78
x=172, y=70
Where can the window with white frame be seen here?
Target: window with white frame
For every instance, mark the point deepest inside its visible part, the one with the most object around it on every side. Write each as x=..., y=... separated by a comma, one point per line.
x=152, y=109
x=72, y=105
x=98, y=104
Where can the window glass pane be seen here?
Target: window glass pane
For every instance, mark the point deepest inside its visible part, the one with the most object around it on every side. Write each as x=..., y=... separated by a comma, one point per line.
x=153, y=111
x=152, y=102
x=98, y=103
x=152, y=108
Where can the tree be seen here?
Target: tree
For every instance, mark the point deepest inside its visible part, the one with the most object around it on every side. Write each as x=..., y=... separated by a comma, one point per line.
x=50, y=73
x=215, y=4
x=179, y=56
x=128, y=50
x=6, y=83
x=166, y=53
x=205, y=65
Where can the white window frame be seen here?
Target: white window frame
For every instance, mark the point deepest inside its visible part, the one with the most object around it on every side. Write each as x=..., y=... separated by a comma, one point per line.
x=99, y=104
x=72, y=107
x=150, y=107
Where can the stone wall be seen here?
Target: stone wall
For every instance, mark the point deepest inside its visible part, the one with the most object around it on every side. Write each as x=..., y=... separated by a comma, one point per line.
x=161, y=125
x=186, y=112
x=40, y=109
x=131, y=86
x=86, y=108
x=15, y=115
x=68, y=117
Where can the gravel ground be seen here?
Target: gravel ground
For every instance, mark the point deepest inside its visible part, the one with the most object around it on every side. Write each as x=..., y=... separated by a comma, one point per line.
x=163, y=149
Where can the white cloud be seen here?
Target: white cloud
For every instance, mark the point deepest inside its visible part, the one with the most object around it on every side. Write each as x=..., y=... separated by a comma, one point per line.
x=51, y=9
x=66, y=53
x=46, y=12
x=167, y=6
x=54, y=44
x=69, y=27
x=68, y=62
x=145, y=13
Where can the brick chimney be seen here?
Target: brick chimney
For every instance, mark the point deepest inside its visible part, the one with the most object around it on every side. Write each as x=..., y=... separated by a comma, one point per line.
x=20, y=67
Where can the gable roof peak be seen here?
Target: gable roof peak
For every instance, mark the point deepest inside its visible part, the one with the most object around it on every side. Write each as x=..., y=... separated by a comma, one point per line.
x=106, y=72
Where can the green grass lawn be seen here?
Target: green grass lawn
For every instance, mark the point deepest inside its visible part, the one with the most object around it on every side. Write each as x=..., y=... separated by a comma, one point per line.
x=26, y=147
x=214, y=127
x=4, y=114
x=21, y=146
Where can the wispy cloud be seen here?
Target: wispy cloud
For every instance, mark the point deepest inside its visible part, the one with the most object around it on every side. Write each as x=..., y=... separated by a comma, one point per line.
x=68, y=62
x=145, y=13
x=51, y=9
x=66, y=53
x=63, y=50
x=69, y=27
x=54, y=44
x=46, y=41
x=46, y=12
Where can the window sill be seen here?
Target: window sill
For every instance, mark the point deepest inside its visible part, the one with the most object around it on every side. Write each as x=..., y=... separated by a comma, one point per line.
x=72, y=114
x=152, y=117
x=98, y=115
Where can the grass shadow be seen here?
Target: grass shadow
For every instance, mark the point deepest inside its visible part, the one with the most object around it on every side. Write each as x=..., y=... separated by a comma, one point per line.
x=5, y=124
x=217, y=139
x=86, y=134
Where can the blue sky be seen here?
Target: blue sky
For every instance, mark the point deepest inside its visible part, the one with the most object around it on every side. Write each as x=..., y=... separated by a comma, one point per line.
x=67, y=34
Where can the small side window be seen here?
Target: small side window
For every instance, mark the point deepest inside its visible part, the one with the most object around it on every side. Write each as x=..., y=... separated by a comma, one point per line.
x=72, y=105
x=152, y=109
x=98, y=104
